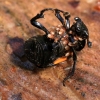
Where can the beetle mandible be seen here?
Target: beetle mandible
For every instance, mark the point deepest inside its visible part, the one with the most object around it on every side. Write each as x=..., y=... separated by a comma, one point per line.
x=64, y=41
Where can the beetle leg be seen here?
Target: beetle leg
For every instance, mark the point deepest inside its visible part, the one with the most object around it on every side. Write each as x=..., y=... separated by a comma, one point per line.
x=67, y=16
x=57, y=14
x=71, y=73
x=38, y=24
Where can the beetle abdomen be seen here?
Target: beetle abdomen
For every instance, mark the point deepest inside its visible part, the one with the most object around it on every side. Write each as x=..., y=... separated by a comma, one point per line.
x=37, y=51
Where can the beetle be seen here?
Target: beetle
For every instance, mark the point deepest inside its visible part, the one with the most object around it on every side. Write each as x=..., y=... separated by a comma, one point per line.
x=58, y=44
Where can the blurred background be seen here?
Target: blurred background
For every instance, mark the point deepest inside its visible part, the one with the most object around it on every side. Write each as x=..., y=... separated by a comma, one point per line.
x=17, y=83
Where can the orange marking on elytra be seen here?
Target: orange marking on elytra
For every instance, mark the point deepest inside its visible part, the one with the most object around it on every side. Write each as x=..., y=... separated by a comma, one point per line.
x=59, y=60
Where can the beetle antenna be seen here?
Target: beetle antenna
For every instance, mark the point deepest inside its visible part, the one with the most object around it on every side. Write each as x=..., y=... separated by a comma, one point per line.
x=71, y=73
x=88, y=42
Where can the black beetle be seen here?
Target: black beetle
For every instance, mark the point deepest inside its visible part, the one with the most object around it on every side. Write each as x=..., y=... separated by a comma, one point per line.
x=63, y=41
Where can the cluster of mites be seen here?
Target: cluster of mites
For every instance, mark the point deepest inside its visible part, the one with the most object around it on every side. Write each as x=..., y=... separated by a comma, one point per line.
x=59, y=34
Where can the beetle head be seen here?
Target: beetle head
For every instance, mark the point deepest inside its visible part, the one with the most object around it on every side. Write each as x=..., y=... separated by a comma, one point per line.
x=80, y=28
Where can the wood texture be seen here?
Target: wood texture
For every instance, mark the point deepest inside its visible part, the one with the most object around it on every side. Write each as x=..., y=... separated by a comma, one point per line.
x=17, y=83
